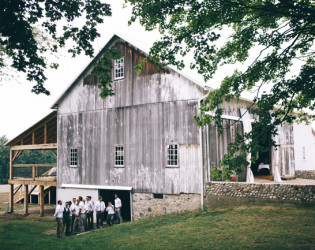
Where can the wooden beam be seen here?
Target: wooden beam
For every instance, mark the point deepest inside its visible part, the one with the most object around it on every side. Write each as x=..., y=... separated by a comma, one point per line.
x=41, y=200
x=26, y=199
x=17, y=154
x=11, y=198
x=17, y=189
x=34, y=165
x=33, y=138
x=54, y=152
x=35, y=147
x=33, y=172
x=11, y=168
x=45, y=133
x=33, y=188
x=34, y=182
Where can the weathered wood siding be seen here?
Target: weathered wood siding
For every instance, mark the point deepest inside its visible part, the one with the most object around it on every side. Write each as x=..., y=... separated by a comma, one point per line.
x=148, y=112
x=214, y=146
x=283, y=157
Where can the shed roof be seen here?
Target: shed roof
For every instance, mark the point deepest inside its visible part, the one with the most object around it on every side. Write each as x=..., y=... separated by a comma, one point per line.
x=38, y=129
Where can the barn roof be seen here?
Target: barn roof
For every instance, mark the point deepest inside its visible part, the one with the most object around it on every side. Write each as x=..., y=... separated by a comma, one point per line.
x=135, y=45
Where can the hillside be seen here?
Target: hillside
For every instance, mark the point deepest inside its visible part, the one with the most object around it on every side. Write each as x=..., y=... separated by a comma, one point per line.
x=238, y=228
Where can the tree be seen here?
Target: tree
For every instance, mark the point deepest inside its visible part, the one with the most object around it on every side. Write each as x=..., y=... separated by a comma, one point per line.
x=31, y=28
x=282, y=31
x=4, y=160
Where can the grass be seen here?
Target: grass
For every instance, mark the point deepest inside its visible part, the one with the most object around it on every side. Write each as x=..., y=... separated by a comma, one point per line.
x=238, y=228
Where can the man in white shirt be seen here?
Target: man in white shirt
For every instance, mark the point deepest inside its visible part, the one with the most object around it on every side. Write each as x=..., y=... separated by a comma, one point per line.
x=72, y=209
x=85, y=214
x=59, y=214
x=118, y=206
x=89, y=215
x=66, y=218
x=110, y=214
x=82, y=215
x=99, y=209
x=76, y=213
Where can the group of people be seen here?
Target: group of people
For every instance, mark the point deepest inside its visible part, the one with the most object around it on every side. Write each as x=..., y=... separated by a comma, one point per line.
x=78, y=216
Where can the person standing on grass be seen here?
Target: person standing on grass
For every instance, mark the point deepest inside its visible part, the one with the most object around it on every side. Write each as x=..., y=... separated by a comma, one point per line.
x=110, y=214
x=67, y=218
x=82, y=215
x=76, y=213
x=85, y=213
x=59, y=214
x=90, y=212
x=118, y=206
x=72, y=208
x=99, y=209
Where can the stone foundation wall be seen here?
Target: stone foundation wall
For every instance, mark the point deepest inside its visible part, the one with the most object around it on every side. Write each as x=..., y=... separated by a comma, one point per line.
x=305, y=174
x=145, y=205
x=239, y=193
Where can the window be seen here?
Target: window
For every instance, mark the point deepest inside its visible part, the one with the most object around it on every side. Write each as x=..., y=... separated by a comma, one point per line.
x=119, y=156
x=158, y=196
x=73, y=157
x=119, y=68
x=172, y=155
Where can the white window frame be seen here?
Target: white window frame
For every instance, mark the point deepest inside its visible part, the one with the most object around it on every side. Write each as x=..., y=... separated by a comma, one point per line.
x=73, y=154
x=121, y=73
x=120, y=161
x=172, y=149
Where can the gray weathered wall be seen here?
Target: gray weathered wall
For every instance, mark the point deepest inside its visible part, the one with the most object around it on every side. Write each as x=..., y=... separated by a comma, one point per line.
x=214, y=146
x=283, y=157
x=148, y=112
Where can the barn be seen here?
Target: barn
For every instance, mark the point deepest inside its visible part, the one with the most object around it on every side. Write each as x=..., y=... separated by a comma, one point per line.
x=143, y=144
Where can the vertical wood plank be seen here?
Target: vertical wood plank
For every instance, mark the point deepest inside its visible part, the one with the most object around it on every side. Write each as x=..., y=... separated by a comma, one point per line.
x=41, y=201
x=11, y=198
x=45, y=133
x=25, y=199
x=11, y=167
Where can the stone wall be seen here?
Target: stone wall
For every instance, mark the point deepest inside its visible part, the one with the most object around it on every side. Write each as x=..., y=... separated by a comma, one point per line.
x=145, y=205
x=305, y=174
x=239, y=193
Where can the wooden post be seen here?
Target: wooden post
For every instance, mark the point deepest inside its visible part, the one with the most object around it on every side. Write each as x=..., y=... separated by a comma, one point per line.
x=33, y=173
x=45, y=133
x=26, y=199
x=49, y=197
x=11, y=168
x=11, y=198
x=41, y=201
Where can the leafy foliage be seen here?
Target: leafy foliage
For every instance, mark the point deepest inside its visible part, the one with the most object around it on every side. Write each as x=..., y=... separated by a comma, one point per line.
x=4, y=160
x=103, y=69
x=282, y=32
x=30, y=28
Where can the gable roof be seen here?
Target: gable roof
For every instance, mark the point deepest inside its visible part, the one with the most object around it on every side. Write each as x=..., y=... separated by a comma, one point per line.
x=111, y=41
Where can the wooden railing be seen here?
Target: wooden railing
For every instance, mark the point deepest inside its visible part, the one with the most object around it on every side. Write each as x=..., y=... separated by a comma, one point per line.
x=35, y=169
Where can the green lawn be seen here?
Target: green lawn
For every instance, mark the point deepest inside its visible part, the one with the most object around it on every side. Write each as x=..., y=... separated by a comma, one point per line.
x=238, y=228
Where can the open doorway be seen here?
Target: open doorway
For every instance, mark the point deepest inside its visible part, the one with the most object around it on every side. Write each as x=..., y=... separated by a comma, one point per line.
x=261, y=168
x=109, y=195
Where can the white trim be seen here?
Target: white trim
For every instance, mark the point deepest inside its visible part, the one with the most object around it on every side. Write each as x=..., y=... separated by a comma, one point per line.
x=128, y=188
x=228, y=117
